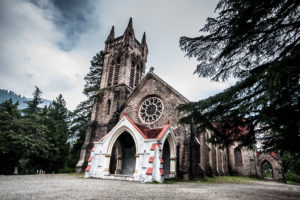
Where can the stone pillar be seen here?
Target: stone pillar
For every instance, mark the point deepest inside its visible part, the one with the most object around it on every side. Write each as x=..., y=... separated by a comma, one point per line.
x=172, y=166
x=137, y=159
x=214, y=160
x=107, y=161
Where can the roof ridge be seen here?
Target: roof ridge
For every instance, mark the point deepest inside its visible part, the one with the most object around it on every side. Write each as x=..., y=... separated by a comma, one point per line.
x=143, y=81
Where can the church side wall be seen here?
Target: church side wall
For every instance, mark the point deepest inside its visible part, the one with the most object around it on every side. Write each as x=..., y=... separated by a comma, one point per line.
x=205, y=155
x=248, y=158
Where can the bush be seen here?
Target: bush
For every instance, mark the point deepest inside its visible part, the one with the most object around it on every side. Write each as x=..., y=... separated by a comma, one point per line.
x=292, y=177
x=66, y=170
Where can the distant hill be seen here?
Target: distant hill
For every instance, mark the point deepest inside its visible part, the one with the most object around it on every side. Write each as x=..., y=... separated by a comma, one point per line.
x=5, y=95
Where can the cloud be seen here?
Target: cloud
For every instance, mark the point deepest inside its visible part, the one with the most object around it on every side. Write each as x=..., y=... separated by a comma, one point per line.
x=29, y=54
x=49, y=43
x=71, y=17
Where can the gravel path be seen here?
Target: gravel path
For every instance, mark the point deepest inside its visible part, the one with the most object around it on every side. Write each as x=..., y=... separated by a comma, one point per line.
x=74, y=187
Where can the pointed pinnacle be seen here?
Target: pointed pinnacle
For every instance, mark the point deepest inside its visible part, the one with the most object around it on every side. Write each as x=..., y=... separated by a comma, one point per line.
x=144, y=39
x=130, y=23
x=112, y=32
x=129, y=28
x=111, y=36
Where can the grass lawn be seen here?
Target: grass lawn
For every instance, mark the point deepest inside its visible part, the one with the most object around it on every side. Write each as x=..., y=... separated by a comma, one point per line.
x=228, y=179
x=212, y=180
x=217, y=179
x=78, y=175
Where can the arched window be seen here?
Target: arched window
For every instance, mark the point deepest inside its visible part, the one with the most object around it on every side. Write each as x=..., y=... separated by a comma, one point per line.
x=108, y=106
x=137, y=75
x=266, y=169
x=117, y=70
x=110, y=74
x=132, y=74
x=238, y=157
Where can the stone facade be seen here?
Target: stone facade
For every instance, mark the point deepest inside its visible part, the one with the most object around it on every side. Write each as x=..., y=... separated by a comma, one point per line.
x=249, y=161
x=275, y=162
x=115, y=157
x=150, y=103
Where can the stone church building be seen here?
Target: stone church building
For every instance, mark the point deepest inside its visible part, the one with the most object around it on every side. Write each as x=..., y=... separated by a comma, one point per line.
x=134, y=132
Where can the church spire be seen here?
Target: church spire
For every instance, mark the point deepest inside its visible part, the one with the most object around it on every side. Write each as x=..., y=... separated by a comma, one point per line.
x=130, y=23
x=129, y=30
x=144, y=40
x=111, y=36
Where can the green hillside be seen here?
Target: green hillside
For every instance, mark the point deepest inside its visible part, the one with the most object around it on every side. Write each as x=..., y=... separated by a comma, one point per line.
x=6, y=94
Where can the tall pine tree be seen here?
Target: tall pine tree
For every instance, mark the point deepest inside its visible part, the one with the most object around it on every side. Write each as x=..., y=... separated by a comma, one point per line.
x=32, y=105
x=57, y=118
x=257, y=42
x=10, y=136
x=82, y=114
x=39, y=143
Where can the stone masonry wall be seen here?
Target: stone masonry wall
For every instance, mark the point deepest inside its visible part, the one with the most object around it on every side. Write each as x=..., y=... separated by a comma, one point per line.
x=154, y=87
x=248, y=158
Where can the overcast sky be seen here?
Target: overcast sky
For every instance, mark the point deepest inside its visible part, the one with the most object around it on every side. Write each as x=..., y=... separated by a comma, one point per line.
x=49, y=43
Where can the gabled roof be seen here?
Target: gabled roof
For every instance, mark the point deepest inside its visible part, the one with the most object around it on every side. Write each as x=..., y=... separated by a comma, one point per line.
x=146, y=133
x=149, y=75
x=150, y=133
x=272, y=153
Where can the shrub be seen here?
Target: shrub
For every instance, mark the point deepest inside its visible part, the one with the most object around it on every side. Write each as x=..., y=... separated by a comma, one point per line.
x=66, y=170
x=290, y=176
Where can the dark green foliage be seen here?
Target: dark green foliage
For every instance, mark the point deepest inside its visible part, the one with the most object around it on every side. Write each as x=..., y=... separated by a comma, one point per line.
x=35, y=140
x=20, y=138
x=82, y=113
x=267, y=102
x=32, y=105
x=292, y=178
x=56, y=117
x=267, y=170
x=258, y=42
x=291, y=162
x=6, y=95
x=246, y=34
x=93, y=78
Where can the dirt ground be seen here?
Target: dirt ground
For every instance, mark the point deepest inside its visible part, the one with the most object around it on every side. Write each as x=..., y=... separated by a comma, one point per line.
x=74, y=187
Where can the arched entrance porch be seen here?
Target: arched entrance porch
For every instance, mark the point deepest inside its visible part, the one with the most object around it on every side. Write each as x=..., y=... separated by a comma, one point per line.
x=267, y=161
x=267, y=170
x=169, y=156
x=123, y=155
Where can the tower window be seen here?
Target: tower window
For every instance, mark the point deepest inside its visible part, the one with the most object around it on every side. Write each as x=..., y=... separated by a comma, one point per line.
x=238, y=157
x=108, y=106
x=137, y=77
x=132, y=74
x=117, y=70
x=110, y=74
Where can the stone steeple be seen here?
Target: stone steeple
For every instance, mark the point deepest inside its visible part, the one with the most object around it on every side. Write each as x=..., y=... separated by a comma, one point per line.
x=111, y=36
x=144, y=40
x=125, y=59
x=145, y=46
x=129, y=30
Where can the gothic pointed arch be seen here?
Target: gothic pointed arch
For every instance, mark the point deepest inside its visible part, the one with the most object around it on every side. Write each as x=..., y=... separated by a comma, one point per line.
x=108, y=106
x=110, y=74
x=132, y=71
x=238, y=157
x=117, y=71
x=115, y=136
x=169, y=154
x=274, y=160
x=267, y=169
x=122, y=150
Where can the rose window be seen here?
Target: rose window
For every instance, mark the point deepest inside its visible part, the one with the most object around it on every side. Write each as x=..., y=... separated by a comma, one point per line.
x=151, y=110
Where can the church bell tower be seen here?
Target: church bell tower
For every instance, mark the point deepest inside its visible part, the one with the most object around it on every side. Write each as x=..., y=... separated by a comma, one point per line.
x=124, y=67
